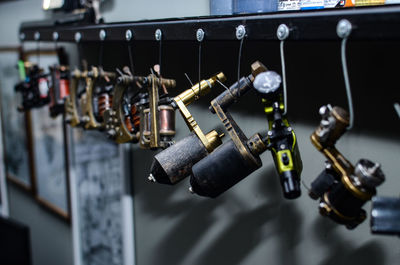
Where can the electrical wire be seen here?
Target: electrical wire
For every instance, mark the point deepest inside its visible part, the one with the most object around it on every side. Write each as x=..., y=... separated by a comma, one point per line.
x=131, y=59
x=283, y=76
x=238, y=69
x=347, y=83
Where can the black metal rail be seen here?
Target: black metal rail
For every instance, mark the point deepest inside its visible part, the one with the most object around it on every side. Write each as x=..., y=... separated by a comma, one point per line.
x=369, y=23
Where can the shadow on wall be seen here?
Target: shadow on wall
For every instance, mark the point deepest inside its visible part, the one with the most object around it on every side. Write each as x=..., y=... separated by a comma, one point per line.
x=244, y=228
x=163, y=203
x=342, y=251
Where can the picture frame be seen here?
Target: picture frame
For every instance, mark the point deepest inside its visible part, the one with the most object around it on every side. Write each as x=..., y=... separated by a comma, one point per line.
x=3, y=186
x=16, y=136
x=49, y=145
x=97, y=190
x=51, y=165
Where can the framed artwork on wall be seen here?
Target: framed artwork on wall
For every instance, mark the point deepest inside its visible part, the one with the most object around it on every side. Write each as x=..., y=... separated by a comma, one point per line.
x=16, y=131
x=98, y=190
x=3, y=186
x=50, y=154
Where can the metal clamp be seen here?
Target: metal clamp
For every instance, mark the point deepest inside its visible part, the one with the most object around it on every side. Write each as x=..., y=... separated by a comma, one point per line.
x=128, y=35
x=200, y=35
x=22, y=36
x=240, y=32
x=78, y=36
x=343, y=28
x=56, y=36
x=158, y=34
x=36, y=36
x=102, y=35
x=282, y=32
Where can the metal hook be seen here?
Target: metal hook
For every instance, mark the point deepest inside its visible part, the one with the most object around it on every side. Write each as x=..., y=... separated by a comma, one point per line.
x=283, y=33
x=56, y=36
x=158, y=37
x=36, y=36
x=200, y=37
x=343, y=30
x=240, y=34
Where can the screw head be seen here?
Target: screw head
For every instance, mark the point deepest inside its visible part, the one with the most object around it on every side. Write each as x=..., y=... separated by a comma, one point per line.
x=282, y=32
x=56, y=36
x=343, y=28
x=22, y=36
x=102, y=34
x=78, y=36
x=36, y=36
x=158, y=34
x=200, y=35
x=128, y=35
x=151, y=178
x=240, y=32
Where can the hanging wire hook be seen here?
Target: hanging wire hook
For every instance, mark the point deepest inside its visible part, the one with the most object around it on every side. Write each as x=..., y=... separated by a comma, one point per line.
x=22, y=37
x=283, y=33
x=240, y=35
x=128, y=38
x=37, y=38
x=200, y=37
x=56, y=36
x=343, y=30
x=158, y=36
x=102, y=36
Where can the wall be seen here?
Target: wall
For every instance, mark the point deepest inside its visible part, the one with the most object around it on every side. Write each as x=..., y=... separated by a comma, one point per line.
x=51, y=239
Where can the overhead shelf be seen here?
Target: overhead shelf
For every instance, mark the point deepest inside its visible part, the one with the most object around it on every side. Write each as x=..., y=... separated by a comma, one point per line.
x=368, y=23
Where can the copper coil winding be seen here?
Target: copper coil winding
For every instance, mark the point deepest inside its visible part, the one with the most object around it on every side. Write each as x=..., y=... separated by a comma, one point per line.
x=135, y=117
x=128, y=124
x=104, y=103
x=166, y=120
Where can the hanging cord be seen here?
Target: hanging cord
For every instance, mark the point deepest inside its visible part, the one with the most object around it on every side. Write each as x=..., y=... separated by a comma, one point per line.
x=38, y=53
x=22, y=50
x=101, y=55
x=347, y=83
x=131, y=59
x=80, y=53
x=282, y=33
x=238, y=69
x=199, y=66
x=160, y=86
x=283, y=76
x=159, y=56
x=343, y=30
x=56, y=46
